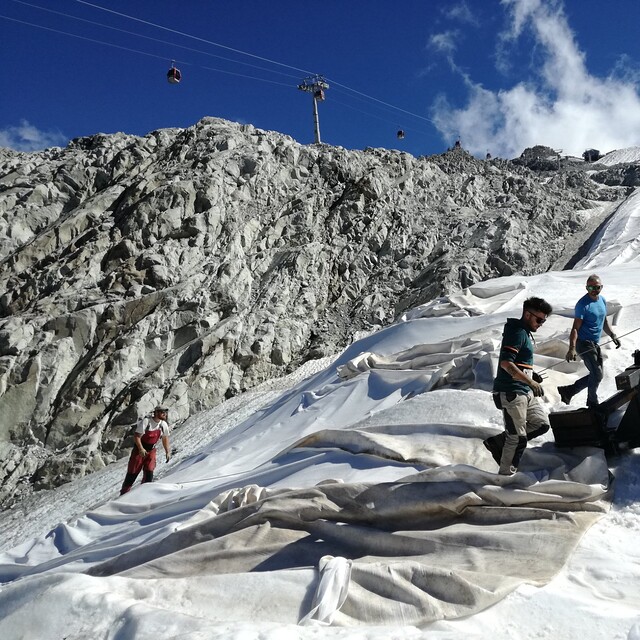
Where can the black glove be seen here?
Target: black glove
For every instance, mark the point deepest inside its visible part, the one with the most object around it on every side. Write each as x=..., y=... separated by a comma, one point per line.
x=537, y=377
x=616, y=341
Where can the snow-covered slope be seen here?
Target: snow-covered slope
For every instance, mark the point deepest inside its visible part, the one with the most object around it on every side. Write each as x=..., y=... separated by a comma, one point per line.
x=619, y=242
x=408, y=416
x=620, y=156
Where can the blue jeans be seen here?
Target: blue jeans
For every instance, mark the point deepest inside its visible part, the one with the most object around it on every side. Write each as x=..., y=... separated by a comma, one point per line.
x=592, y=357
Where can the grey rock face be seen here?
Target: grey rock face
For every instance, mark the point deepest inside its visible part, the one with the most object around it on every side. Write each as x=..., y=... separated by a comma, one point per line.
x=189, y=265
x=626, y=175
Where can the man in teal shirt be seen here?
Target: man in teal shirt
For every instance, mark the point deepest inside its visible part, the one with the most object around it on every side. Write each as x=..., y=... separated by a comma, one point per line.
x=590, y=320
x=517, y=390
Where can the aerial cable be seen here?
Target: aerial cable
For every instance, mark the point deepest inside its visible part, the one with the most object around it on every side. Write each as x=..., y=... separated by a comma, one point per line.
x=139, y=35
x=415, y=115
x=389, y=110
x=377, y=117
x=144, y=53
x=73, y=35
x=95, y=6
x=366, y=101
x=187, y=35
x=242, y=75
x=216, y=44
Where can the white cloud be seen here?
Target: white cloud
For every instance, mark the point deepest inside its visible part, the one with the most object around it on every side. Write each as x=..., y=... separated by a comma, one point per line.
x=444, y=43
x=26, y=137
x=627, y=70
x=462, y=13
x=560, y=104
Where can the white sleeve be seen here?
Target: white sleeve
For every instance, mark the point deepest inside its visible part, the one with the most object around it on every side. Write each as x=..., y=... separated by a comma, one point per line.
x=141, y=426
x=166, y=429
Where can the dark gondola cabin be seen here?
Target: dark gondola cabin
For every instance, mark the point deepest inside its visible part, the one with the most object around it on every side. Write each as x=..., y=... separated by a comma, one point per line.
x=173, y=75
x=400, y=134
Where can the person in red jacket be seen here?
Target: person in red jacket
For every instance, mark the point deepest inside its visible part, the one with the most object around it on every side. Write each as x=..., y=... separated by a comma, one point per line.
x=143, y=456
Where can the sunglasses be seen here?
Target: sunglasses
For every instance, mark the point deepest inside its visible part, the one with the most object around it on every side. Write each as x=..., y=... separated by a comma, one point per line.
x=594, y=287
x=539, y=319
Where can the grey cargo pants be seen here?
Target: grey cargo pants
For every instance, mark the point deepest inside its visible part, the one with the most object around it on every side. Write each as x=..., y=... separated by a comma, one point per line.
x=524, y=419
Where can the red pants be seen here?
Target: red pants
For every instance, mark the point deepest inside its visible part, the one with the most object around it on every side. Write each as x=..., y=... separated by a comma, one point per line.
x=138, y=463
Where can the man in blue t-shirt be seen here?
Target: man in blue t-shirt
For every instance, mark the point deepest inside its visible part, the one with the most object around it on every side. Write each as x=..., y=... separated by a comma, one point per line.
x=590, y=319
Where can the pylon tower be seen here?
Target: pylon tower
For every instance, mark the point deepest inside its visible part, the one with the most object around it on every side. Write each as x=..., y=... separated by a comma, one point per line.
x=316, y=86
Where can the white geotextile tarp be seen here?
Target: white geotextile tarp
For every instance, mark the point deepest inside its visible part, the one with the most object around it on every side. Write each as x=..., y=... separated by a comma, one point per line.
x=452, y=363
x=364, y=498
x=440, y=543
x=447, y=539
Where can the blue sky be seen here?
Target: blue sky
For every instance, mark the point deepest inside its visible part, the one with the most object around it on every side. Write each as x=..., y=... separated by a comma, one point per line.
x=501, y=75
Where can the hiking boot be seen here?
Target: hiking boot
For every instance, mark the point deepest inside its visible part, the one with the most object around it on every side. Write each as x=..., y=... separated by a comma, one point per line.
x=494, y=448
x=512, y=470
x=565, y=396
x=592, y=405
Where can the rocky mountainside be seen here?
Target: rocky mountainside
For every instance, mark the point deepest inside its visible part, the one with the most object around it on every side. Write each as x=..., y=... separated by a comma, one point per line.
x=189, y=265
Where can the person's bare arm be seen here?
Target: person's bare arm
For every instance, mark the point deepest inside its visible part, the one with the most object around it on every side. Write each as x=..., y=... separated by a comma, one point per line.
x=165, y=444
x=519, y=375
x=138, y=443
x=573, y=338
x=609, y=331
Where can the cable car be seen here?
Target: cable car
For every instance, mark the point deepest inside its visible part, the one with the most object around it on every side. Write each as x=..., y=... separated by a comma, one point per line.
x=318, y=94
x=173, y=75
x=400, y=134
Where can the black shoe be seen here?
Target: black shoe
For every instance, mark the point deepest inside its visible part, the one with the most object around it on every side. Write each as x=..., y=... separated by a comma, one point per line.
x=592, y=405
x=565, y=396
x=494, y=448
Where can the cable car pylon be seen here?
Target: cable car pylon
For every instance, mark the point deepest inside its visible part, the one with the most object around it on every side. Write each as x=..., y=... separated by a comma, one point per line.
x=316, y=86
